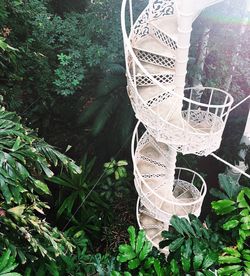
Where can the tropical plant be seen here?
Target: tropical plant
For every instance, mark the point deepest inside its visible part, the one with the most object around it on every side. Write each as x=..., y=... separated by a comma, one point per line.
x=25, y=161
x=236, y=219
x=8, y=264
x=193, y=246
x=81, y=195
x=136, y=258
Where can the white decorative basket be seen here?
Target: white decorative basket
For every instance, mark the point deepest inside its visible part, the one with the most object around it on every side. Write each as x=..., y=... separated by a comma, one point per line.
x=197, y=129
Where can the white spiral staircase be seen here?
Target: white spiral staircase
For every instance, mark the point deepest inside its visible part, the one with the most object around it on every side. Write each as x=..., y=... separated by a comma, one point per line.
x=156, y=52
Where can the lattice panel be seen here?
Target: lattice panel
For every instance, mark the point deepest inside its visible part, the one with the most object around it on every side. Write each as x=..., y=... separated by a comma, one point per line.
x=158, y=99
x=151, y=161
x=153, y=175
x=164, y=38
x=141, y=27
x=142, y=80
x=156, y=59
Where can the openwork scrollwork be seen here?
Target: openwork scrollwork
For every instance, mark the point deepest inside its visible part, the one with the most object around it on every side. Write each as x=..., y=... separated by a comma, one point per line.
x=162, y=8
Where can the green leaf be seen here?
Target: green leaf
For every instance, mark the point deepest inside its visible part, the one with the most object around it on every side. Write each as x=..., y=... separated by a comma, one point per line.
x=116, y=273
x=140, y=241
x=229, y=185
x=4, y=259
x=132, y=236
x=148, y=262
x=209, y=260
x=198, y=259
x=230, y=224
x=122, y=163
x=133, y=264
x=229, y=260
x=223, y=206
x=157, y=267
x=126, y=253
x=245, y=219
x=147, y=247
x=229, y=270
x=16, y=144
x=174, y=267
x=199, y=273
x=42, y=187
x=232, y=251
x=242, y=203
x=176, y=244
x=169, y=235
x=186, y=263
x=68, y=204
x=177, y=224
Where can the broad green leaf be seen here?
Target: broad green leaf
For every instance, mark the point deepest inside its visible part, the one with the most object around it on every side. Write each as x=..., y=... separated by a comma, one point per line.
x=16, y=144
x=169, y=235
x=210, y=259
x=198, y=259
x=229, y=270
x=187, y=249
x=126, y=253
x=232, y=251
x=246, y=256
x=244, y=234
x=196, y=224
x=174, y=267
x=147, y=247
x=132, y=236
x=122, y=163
x=230, y=224
x=140, y=241
x=149, y=262
x=133, y=264
x=223, y=206
x=242, y=203
x=42, y=187
x=245, y=219
x=229, y=260
x=176, y=244
x=177, y=224
x=229, y=185
x=186, y=263
x=244, y=212
x=188, y=227
x=4, y=259
x=5, y=190
x=157, y=267
x=245, y=226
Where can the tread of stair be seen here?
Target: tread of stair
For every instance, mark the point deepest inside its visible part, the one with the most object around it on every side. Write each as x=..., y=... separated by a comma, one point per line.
x=149, y=92
x=152, y=45
x=154, y=69
x=169, y=26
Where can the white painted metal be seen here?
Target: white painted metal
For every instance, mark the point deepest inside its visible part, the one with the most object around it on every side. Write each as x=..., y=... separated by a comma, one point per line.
x=156, y=52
